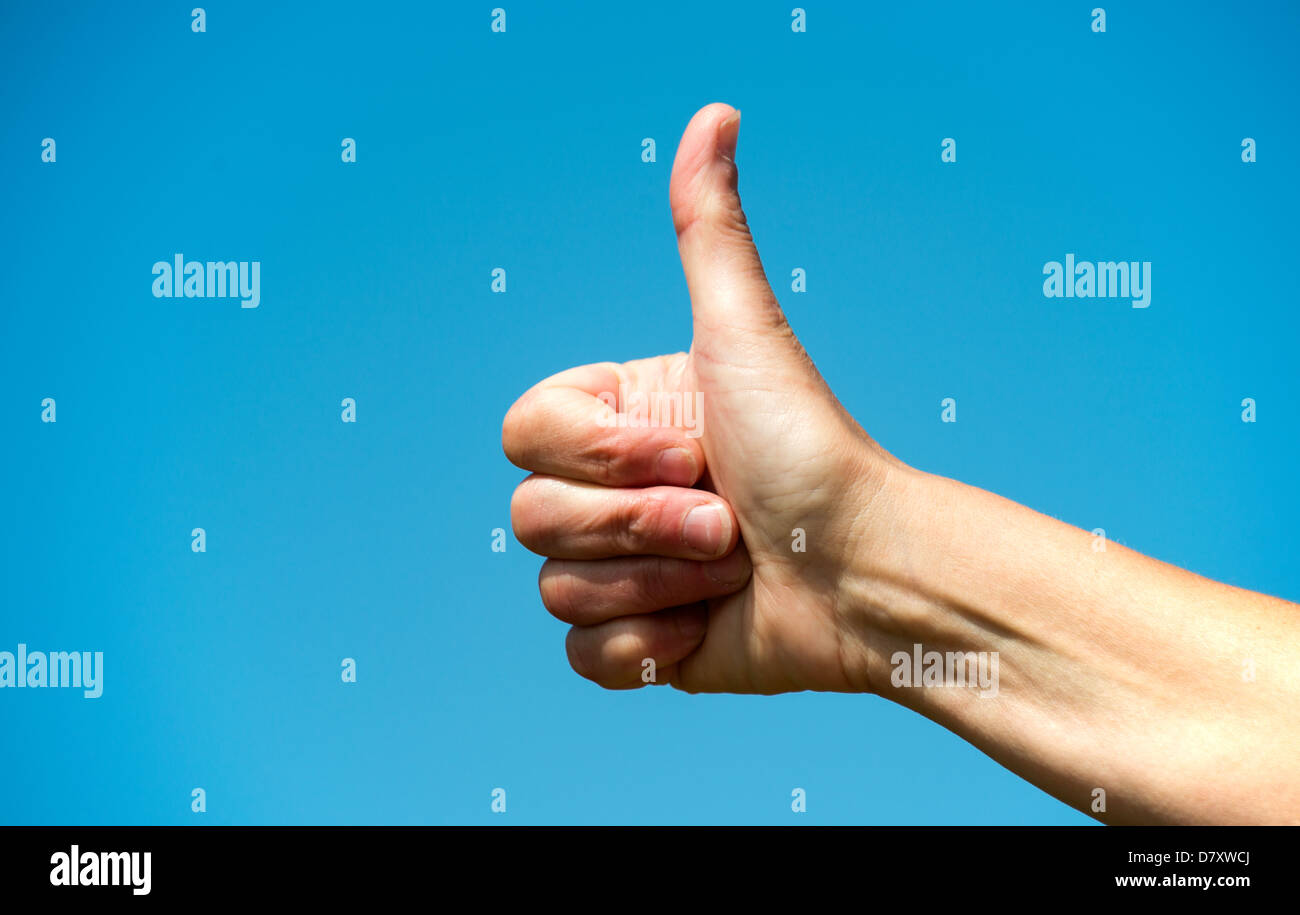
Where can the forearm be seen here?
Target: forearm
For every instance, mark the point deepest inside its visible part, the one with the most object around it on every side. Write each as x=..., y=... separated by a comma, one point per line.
x=1176, y=695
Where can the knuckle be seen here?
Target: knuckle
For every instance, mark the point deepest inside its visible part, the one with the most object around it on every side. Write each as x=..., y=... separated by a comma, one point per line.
x=608, y=460
x=659, y=581
x=621, y=651
x=558, y=591
x=640, y=520
x=523, y=519
x=514, y=431
x=579, y=653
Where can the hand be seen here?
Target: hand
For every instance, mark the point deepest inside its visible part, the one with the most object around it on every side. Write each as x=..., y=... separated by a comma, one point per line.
x=1116, y=671
x=637, y=573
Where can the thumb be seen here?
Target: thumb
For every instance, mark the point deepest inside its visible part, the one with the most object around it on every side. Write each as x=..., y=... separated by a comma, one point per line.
x=733, y=305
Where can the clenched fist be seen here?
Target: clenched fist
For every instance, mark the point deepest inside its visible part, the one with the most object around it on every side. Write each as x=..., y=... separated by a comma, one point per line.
x=719, y=513
x=675, y=540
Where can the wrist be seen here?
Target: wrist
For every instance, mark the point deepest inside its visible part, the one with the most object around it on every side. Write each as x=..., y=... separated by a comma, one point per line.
x=890, y=519
x=886, y=595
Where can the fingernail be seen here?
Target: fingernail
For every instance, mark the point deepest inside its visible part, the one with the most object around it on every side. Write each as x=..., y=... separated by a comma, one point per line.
x=705, y=530
x=676, y=467
x=728, y=132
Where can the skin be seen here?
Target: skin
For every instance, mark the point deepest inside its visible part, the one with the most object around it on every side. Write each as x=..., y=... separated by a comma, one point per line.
x=1116, y=671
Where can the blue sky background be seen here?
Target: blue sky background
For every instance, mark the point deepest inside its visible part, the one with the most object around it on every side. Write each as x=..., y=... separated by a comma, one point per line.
x=522, y=150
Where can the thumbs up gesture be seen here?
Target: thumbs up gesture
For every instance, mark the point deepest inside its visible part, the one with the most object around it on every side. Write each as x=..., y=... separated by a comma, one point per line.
x=714, y=543
x=718, y=513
